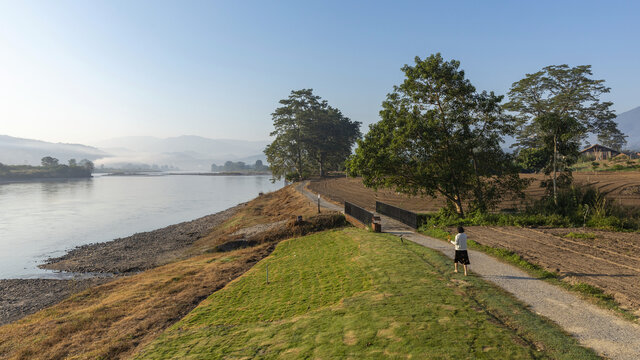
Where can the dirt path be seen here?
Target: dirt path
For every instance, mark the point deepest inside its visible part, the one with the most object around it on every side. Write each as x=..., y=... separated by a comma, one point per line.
x=596, y=328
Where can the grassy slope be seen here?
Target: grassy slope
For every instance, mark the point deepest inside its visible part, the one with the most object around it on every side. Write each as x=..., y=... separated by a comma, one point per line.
x=353, y=294
x=112, y=320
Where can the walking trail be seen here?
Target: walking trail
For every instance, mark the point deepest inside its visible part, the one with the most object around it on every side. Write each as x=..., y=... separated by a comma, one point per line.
x=609, y=335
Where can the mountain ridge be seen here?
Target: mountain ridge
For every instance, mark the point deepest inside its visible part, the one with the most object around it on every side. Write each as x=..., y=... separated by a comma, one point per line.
x=187, y=152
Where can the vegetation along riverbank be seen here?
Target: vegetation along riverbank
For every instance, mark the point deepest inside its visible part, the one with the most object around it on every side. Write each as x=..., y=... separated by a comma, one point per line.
x=50, y=169
x=344, y=292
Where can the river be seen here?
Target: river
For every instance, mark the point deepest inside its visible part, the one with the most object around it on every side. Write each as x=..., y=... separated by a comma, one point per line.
x=43, y=219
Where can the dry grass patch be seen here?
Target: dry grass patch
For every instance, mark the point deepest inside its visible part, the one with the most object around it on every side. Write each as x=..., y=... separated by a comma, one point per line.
x=112, y=320
x=284, y=204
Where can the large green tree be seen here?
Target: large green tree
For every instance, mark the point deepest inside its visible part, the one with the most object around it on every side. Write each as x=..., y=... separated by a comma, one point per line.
x=438, y=136
x=309, y=135
x=559, y=106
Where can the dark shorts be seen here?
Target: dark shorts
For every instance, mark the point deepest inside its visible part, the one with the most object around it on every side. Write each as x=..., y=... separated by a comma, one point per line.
x=461, y=257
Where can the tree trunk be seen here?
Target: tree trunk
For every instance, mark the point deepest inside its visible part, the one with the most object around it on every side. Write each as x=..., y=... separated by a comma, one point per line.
x=458, y=203
x=555, y=169
x=479, y=195
x=299, y=164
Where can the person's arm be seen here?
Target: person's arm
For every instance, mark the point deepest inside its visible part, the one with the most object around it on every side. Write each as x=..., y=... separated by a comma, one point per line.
x=455, y=241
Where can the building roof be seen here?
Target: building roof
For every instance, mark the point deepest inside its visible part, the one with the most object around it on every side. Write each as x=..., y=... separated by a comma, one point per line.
x=602, y=147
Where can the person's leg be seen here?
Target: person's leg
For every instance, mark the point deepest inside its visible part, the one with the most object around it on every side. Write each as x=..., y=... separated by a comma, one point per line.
x=465, y=269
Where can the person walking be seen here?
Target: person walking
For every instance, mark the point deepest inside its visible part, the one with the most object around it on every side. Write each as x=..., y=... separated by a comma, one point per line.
x=461, y=256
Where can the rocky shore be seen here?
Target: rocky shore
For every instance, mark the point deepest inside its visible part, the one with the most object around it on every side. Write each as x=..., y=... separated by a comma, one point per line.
x=124, y=256
x=140, y=251
x=21, y=297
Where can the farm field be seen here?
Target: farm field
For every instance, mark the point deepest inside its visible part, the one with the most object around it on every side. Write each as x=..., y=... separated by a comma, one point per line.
x=622, y=188
x=609, y=260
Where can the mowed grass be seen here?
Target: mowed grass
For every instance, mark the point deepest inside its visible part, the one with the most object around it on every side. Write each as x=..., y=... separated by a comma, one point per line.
x=349, y=293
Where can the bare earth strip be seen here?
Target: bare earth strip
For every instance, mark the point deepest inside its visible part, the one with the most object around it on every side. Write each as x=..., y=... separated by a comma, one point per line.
x=596, y=328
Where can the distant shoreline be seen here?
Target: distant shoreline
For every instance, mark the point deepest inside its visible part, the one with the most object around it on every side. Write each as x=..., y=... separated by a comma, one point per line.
x=226, y=173
x=4, y=181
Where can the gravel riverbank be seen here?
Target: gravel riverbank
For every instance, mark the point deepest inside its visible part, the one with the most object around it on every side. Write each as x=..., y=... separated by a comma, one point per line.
x=124, y=256
x=21, y=297
x=140, y=251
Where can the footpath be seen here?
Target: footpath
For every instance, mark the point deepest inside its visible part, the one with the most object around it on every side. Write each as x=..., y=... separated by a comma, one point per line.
x=596, y=328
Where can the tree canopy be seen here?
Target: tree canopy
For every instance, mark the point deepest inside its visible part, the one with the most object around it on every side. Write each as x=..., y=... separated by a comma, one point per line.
x=49, y=161
x=309, y=135
x=558, y=107
x=438, y=135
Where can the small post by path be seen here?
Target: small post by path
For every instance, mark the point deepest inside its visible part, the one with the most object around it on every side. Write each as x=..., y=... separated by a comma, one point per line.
x=318, y=203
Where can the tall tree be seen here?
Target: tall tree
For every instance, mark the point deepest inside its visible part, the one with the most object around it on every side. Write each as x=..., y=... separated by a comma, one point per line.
x=309, y=134
x=49, y=161
x=330, y=139
x=558, y=107
x=437, y=135
x=87, y=164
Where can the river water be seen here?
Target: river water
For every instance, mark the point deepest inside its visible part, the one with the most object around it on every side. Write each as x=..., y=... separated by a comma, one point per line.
x=43, y=219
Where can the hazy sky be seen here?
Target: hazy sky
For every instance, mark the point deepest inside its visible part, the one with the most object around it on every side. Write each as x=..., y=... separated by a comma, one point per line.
x=82, y=71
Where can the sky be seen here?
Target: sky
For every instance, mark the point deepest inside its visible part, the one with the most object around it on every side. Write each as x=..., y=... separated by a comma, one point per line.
x=85, y=71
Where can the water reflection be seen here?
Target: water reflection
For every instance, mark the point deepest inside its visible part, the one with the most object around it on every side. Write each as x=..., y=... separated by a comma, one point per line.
x=53, y=188
x=43, y=219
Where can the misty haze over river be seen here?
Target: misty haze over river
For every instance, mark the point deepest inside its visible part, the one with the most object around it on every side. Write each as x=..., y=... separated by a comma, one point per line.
x=43, y=219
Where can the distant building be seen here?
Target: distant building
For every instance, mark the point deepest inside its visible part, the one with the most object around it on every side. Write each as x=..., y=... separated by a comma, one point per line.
x=600, y=152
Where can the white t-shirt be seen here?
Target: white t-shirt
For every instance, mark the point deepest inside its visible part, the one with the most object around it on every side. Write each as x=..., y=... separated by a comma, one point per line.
x=460, y=242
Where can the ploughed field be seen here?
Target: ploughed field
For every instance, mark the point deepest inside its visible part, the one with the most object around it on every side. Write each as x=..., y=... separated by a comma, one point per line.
x=620, y=187
x=610, y=261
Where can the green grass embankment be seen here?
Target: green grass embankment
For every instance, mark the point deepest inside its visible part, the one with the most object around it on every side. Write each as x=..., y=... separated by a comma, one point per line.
x=349, y=293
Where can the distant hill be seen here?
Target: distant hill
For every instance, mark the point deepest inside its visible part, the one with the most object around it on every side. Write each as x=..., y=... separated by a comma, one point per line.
x=629, y=124
x=187, y=144
x=18, y=151
x=186, y=152
x=183, y=152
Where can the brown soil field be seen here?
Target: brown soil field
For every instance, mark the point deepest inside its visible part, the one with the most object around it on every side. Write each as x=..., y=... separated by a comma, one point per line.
x=611, y=261
x=623, y=188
